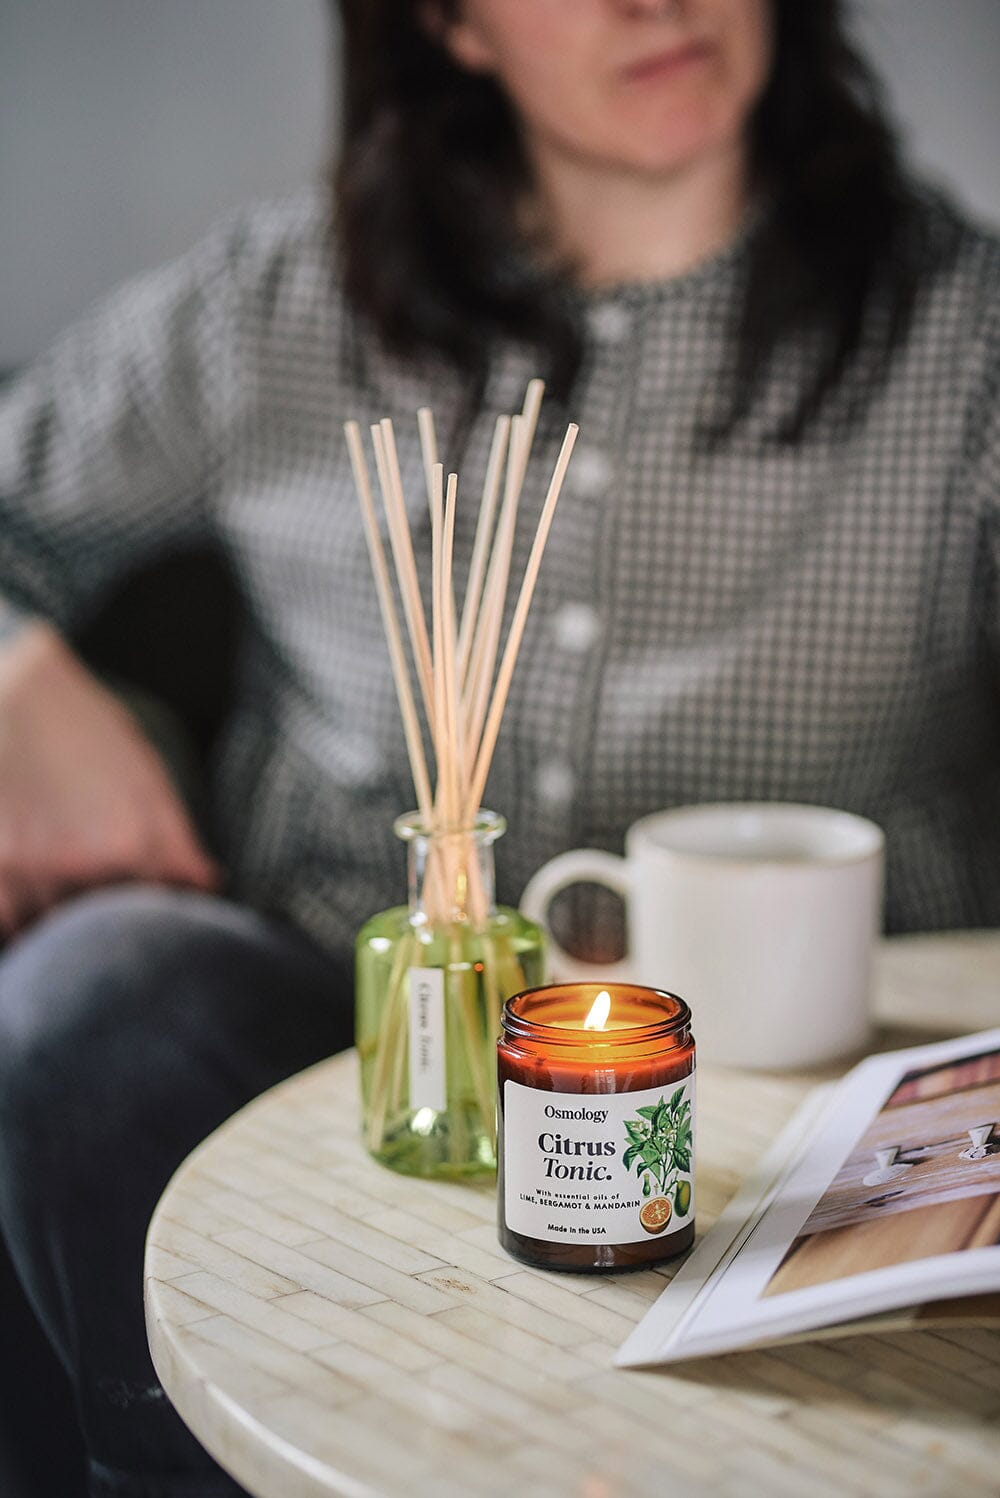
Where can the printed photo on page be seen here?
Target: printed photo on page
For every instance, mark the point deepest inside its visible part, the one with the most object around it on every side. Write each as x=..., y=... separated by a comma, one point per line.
x=883, y=1194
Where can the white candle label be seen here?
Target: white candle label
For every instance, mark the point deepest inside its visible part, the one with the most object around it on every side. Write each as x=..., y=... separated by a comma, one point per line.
x=427, y=1046
x=604, y=1168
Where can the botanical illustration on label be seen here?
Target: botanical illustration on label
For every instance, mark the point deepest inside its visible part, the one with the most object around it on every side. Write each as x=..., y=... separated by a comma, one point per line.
x=427, y=1039
x=613, y=1168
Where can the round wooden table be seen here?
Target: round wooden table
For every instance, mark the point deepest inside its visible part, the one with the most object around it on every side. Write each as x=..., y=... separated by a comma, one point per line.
x=327, y=1327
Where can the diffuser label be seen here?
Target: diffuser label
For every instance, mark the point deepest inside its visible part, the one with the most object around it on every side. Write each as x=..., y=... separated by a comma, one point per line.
x=427, y=1059
x=586, y=1168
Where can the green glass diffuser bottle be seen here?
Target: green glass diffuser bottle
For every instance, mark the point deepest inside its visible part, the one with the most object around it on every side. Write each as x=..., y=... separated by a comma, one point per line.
x=432, y=978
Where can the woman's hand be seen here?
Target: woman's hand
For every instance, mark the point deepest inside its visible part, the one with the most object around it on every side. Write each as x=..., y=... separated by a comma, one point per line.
x=84, y=799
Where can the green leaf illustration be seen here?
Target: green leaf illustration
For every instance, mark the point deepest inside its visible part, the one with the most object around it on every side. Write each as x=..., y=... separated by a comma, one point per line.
x=659, y=1148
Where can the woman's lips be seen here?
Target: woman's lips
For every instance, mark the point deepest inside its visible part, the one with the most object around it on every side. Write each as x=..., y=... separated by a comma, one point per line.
x=664, y=64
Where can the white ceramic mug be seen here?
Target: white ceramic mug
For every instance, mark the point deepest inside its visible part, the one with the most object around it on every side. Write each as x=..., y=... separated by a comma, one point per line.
x=762, y=915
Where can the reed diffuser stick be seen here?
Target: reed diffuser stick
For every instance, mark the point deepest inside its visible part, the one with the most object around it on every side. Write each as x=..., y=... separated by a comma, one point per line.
x=390, y=623
x=505, y=675
x=482, y=643
x=481, y=546
x=487, y=634
x=428, y=446
x=453, y=764
x=406, y=567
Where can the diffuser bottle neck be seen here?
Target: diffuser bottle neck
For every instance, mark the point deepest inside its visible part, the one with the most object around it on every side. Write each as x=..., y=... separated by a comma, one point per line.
x=451, y=873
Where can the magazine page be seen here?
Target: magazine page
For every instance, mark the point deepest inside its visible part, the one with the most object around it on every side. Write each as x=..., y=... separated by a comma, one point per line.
x=882, y=1194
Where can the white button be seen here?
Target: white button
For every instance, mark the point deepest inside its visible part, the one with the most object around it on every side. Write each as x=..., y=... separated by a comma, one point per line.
x=589, y=472
x=575, y=627
x=359, y=757
x=555, y=783
x=510, y=390
x=609, y=323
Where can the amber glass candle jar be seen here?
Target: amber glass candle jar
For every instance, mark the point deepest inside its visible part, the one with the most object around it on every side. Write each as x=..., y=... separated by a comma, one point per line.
x=596, y=1114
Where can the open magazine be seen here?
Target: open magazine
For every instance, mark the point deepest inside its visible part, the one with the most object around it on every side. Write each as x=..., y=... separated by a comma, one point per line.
x=879, y=1206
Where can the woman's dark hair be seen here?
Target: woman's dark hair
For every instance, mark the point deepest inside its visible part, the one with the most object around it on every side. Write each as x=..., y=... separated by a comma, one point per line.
x=431, y=169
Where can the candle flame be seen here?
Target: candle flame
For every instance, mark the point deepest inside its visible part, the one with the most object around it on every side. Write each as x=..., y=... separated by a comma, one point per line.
x=599, y=1011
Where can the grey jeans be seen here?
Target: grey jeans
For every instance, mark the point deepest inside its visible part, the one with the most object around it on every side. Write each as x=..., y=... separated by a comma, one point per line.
x=133, y=1021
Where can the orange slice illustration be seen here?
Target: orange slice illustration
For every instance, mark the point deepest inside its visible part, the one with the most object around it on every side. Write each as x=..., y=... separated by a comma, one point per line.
x=655, y=1214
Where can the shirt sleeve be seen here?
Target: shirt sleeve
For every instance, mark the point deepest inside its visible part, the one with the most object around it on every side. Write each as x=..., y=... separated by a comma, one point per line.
x=984, y=460
x=111, y=444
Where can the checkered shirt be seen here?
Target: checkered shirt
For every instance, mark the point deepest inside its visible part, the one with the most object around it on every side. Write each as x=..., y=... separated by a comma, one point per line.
x=811, y=623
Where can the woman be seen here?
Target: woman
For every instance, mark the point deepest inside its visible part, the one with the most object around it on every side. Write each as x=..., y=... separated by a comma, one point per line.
x=772, y=575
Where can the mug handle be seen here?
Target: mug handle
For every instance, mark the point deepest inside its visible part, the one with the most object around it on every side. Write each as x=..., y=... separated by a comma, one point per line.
x=582, y=866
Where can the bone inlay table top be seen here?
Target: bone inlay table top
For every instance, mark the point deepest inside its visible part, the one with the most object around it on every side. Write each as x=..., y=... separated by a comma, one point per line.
x=327, y=1327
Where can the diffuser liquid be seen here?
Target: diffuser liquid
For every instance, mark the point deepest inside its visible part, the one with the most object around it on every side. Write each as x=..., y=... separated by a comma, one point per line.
x=429, y=1001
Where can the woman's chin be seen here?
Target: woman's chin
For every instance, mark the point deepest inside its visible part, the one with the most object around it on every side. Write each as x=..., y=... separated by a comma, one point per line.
x=666, y=150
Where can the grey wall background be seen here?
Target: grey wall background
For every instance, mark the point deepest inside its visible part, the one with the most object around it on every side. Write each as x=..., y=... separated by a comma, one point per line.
x=126, y=126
